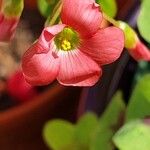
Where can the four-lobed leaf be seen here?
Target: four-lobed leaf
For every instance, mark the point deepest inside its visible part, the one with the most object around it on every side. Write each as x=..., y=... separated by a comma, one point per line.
x=134, y=135
x=62, y=135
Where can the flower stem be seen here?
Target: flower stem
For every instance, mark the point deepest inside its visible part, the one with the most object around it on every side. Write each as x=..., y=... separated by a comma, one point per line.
x=52, y=18
x=130, y=35
x=111, y=20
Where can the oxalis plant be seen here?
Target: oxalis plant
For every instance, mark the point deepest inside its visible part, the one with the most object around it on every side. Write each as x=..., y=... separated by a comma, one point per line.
x=72, y=48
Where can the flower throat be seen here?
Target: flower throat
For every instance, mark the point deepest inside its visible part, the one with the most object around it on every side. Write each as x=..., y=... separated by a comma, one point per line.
x=67, y=40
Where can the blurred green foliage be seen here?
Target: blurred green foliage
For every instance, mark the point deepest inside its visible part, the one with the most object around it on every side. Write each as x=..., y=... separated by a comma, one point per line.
x=134, y=135
x=144, y=20
x=108, y=6
x=90, y=132
x=46, y=7
x=139, y=104
x=93, y=133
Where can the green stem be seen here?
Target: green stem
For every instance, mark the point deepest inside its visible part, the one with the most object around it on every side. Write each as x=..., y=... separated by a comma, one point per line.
x=131, y=37
x=111, y=20
x=56, y=12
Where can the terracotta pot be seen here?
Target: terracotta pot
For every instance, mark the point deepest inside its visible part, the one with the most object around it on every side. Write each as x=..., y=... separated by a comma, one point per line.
x=21, y=126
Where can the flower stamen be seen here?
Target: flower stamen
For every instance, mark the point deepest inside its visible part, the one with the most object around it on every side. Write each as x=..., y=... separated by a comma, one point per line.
x=66, y=45
x=67, y=40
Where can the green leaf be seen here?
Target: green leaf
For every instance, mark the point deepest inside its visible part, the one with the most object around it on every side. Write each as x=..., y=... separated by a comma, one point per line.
x=102, y=139
x=108, y=124
x=144, y=20
x=59, y=134
x=108, y=6
x=114, y=112
x=85, y=128
x=46, y=7
x=133, y=136
x=139, y=104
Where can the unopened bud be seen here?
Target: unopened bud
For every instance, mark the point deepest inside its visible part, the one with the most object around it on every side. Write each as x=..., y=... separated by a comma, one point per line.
x=9, y=17
x=130, y=35
x=135, y=47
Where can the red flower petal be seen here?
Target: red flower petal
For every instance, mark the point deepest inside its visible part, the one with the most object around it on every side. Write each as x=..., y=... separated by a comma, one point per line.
x=105, y=46
x=77, y=69
x=140, y=52
x=40, y=68
x=46, y=36
x=82, y=15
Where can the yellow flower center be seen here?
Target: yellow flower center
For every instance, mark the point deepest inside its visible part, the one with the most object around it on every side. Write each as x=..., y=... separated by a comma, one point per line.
x=66, y=45
x=67, y=40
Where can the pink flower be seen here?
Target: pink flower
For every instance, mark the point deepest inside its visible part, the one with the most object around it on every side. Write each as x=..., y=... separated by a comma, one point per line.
x=73, y=51
x=7, y=27
x=140, y=52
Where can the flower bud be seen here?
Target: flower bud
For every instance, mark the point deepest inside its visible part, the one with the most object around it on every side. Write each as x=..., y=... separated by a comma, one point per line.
x=135, y=47
x=140, y=52
x=10, y=12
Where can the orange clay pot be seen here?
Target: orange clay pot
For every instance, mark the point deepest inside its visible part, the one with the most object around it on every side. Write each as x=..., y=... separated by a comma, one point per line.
x=21, y=126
